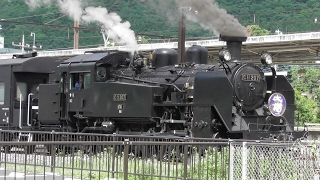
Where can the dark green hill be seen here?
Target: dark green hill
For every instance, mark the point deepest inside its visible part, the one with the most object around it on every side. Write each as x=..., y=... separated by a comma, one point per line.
x=152, y=17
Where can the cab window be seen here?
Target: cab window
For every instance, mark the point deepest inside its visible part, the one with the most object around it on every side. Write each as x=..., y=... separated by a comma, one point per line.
x=80, y=81
x=87, y=80
x=21, y=91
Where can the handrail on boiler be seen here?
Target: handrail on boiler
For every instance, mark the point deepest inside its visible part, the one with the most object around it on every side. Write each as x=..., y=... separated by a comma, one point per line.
x=28, y=114
x=20, y=112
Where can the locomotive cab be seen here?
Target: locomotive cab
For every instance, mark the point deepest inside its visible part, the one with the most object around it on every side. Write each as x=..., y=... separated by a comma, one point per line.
x=79, y=77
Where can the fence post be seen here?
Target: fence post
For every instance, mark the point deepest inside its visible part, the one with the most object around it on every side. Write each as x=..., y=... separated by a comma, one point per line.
x=53, y=152
x=114, y=154
x=231, y=160
x=244, y=160
x=125, y=159
x=185, y=161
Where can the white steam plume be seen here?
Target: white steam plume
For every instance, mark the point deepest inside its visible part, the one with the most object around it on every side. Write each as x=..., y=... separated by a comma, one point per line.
x=111, y=22
x=211, y=17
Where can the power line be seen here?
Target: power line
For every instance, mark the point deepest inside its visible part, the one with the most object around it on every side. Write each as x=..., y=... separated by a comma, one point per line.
x=55, y=19
x=72, y=27
x=27, y=16
x=50, y=25
x=276, y=12
x=239, y=15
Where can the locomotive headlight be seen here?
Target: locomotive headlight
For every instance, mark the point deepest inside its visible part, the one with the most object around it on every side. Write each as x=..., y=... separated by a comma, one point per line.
x=224, y=55
x=266, y=59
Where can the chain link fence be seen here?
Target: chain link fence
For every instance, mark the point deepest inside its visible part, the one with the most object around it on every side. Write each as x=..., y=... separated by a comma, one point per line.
x=285, y=161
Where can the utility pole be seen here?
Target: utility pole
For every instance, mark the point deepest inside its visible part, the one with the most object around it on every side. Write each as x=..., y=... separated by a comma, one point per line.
x=105, y=37
x=21, y=44
x=181, y=36
x=76, y=35
x=34, y=41
x=34, y=47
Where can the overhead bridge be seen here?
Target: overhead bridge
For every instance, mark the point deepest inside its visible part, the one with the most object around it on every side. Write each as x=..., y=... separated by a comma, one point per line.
x=297, y=48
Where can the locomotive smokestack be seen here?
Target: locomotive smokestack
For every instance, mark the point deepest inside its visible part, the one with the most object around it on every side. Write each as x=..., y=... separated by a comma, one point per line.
x=234, y=45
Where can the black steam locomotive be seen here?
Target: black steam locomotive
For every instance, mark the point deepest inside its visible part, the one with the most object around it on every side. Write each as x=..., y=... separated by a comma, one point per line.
x=117, y=92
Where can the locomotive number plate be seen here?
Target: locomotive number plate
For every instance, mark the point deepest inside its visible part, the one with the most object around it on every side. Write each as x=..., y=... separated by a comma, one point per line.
x=119, y=97
x=250, y=77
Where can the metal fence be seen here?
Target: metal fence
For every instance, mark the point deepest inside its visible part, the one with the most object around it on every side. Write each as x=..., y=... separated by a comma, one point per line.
x=61, y=156
x=94, y=156
x=285, y=161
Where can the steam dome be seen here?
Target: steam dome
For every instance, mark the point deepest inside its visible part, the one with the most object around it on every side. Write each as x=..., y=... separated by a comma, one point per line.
x=164, y=57
x=197, y=54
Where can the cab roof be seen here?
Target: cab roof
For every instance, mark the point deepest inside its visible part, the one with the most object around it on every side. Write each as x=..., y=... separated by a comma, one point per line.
x=32, y=64
x=96, y=57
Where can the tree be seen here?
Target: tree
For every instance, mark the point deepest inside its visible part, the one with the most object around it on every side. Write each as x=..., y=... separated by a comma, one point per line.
x=142, y=40
x=255, y=30
x=305, y=80
x=306, y=109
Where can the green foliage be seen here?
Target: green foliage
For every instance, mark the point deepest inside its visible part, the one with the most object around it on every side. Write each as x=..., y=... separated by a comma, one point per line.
x=288, y=16
x=142, y=40
x=258, y=31
x=308, y=80
x=144, y=21
x=154, y=17
x=306, y=109
x=306, y=83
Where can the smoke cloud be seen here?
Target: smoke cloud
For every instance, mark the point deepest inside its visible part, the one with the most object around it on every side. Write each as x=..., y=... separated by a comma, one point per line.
x=211, y=17
x=164, y=7
x=77, y=10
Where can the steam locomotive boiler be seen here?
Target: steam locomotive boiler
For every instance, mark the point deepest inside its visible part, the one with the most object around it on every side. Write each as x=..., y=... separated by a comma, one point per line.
x=115, y=93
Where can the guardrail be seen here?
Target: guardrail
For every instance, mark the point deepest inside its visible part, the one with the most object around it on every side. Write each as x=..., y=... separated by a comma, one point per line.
x=93, y=156
x=205, y=43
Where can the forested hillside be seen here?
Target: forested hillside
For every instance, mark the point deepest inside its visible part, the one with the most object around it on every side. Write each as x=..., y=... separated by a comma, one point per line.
x=143, y=20
x=154, y=17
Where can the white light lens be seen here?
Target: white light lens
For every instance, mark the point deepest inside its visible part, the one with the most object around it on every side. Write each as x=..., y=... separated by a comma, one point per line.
x=224, y=55
x=227, y=56
x=266, y=59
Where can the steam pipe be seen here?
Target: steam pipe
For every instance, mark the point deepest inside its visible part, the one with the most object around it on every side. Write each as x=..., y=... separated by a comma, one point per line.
x=146, y=81
x=181, y=37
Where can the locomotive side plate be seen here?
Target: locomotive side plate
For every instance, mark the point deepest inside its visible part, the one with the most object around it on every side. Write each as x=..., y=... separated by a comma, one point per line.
x=250, y=77
x=119, y=97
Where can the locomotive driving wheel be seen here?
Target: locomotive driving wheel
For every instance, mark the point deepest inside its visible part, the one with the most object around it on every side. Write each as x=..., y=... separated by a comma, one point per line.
x=7, y=137
x=92, y=149
x=68, y=149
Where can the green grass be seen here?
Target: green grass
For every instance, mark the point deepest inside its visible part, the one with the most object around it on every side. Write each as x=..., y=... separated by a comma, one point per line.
x=262, y=163
x=104, y=165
